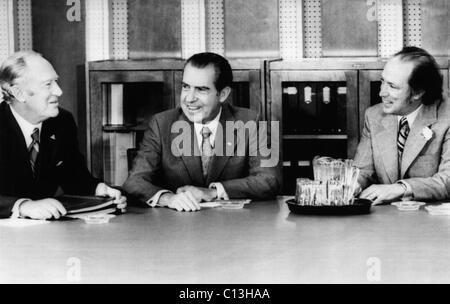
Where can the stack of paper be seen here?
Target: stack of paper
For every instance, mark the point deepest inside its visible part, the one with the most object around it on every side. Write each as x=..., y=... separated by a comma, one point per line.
x=442, y=209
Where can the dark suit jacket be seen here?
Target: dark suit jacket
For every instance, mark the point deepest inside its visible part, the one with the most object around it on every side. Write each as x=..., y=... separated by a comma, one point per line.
x=156, y=167
x=59, y=161
x=426, y=158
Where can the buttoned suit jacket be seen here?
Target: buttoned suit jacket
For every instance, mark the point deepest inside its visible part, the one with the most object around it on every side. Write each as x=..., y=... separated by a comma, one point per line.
x=425, y=164
x=59, y=163
x=156, y=167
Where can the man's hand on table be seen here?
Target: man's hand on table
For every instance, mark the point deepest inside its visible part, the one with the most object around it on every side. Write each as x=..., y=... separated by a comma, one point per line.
x=42, y=209
x=200, y=194
x=183, y=201
x=104, y=190
x=383, y=193
x=187, y=198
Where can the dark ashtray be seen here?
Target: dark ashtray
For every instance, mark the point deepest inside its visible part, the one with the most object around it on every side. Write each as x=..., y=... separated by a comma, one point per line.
x=359, y=206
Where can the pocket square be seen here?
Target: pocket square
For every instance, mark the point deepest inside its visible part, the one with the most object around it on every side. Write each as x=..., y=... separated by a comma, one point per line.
x=53, y=137
x=59, y=163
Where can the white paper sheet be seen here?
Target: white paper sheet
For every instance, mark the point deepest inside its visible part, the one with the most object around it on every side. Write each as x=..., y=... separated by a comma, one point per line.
x=18, y=222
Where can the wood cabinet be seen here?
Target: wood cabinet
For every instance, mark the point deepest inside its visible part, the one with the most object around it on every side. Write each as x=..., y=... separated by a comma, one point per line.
x=149, y=87
x=307, y=129
x=317, y=107
x=320, y=104
x=300, y=92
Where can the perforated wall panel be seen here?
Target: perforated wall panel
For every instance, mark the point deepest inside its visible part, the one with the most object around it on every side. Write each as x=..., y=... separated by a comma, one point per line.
x=6, y=29
x=291, y=29
x=24, y=25
x=215, y=31
x=97, y=30
x=119, y=29
x=412, y=23
x=192, y=27
x=390, y=27
x=312, y=28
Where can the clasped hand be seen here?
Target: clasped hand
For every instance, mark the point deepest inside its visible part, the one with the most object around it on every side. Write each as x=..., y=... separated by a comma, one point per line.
x=187, y=198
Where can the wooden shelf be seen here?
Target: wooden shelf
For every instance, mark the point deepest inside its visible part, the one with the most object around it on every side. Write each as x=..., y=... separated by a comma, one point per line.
x=350, y=63
x=162, y=64
x=136, y=65
x=123, y=128
x=297, y=163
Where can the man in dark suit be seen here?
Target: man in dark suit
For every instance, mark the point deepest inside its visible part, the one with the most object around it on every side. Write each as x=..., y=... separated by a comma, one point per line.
x=38, y=143
x=207, y=164
x=404, y=151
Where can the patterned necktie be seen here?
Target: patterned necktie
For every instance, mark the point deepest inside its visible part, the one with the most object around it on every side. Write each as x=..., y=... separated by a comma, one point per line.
x=206, y=150
x=33, y=149
x=403, y=132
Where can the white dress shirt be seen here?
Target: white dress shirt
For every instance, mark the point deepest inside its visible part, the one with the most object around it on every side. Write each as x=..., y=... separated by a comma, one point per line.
x=26, y=127
x=411, y=116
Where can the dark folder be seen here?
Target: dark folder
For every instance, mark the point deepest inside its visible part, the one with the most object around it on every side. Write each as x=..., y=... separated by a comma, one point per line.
x=76, y=204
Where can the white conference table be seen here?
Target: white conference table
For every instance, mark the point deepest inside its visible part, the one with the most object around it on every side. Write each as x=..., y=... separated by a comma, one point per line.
x=262, y=243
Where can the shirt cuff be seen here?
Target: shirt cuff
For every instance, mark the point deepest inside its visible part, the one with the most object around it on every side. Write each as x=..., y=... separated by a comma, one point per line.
x=221, y=193
x=409, y=195
x=154, y=200
x=15, y=212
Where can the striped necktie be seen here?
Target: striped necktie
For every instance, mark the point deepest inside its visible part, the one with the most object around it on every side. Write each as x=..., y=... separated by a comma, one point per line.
x=403, y=132
x=206, y=150
x=33, y=149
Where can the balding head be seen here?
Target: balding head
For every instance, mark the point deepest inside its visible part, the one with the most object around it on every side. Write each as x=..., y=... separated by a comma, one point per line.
x=14, y=68
x=30, y=85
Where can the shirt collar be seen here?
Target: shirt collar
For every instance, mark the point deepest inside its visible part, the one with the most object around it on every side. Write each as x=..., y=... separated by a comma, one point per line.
x=212, y=126
x=26, y=127
x=411, y=116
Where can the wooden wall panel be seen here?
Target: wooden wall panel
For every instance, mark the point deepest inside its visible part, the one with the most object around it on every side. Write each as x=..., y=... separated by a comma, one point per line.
x=251, y=28
x=348, y=28
x=435, y=27
x=63, y=43
x=154, y=29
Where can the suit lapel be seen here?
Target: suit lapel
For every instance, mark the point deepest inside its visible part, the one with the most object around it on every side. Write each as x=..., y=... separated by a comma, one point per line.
x=17, y=144
x=192, y=162
x=416, y=141
x=386, y=141
x=222, y=145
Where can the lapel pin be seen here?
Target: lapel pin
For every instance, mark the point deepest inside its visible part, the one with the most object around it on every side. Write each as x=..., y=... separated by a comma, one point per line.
x=229, y=143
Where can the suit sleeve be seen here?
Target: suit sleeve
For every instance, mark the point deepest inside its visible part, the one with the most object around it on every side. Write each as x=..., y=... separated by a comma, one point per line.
x=364, y=156
x=146, y=166
x=75, y=177
x=436, y=187
x=6, y=205
x=264, y=178
x=260, y=184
